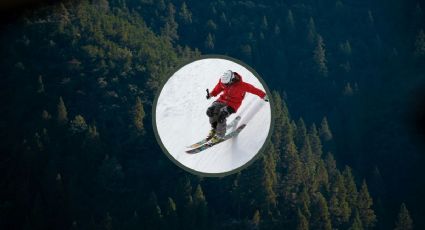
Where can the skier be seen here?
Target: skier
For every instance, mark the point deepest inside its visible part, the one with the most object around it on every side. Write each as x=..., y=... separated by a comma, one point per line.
x=234, y=90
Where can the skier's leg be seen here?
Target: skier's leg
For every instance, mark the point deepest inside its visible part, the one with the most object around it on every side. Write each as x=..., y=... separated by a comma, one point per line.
x=221, y=126
x=213, y=111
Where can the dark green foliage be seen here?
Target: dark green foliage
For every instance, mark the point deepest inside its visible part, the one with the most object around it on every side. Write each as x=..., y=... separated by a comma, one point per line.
x=185, y=14
x=324, y=130
x=138, y=114
x=320, y=57
x=331, y=165
x=404, y=221
x=78, y=125
x=348, y=90
x=311, y=32
x=350, y=185
x=169, y=30
x=201, y=209
x=339, y=206
x=153, y=217
x=290, y=22
x=320, y=218
x=316, y=144
x=209, y=42
x=302, y=221
x=62, y=113
x=420, y=44
x=270, y=179
x=256, y=219
x=40, y=88
x=364, y=204
x=356, y=223
x=170, y=214
x=107, y=222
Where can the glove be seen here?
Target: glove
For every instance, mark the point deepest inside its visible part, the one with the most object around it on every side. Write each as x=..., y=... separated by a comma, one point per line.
x=266, y=98
x=208, y=95
x=223, y=114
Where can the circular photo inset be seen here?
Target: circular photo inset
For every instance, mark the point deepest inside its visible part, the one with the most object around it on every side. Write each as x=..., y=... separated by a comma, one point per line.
x=213, y=116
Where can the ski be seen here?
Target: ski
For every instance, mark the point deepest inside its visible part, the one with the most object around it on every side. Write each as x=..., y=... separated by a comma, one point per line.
x=234, y=123
x=230, y=125
x=226, y=137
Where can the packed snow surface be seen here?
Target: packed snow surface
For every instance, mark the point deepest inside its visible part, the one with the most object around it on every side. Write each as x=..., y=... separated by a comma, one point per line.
x=181, y=118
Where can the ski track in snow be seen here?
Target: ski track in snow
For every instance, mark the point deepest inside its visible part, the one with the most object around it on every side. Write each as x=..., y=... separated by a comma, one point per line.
x=181, y=117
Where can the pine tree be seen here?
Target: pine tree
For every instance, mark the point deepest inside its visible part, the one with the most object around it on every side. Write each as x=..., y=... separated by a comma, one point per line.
x=302, y=221
x=210, y=25
x=269, y=177
x=264, y=23
x=107, y=222
x=169, y=30
x=351, y=187
x=324, y=131
x=256, y=219
x=404, y=221
x=276, y=29
x=170, y=214
x=311, y=31
x=418, y=17
x=63, y=17
x=339, y=207
x=78, y=124
x=153, y=216
x=345, y=48
x=364, y=204
x=184, y=200
x=185, y=14
x=290, y=22
x=356, y=223
x=321, y=178
x=62, y=116
x=40, y=87
x=138, y=115
x=331, y=165
x=102, y=5
x=308, y=160
x=420, y=44
x=46, y=115
x=201, y=209
x=304, y=202
x=292, y=172
x=348, y=91
x=301, y=133
x=209, y=42
x=320, y=214
x=281, y=115
x=316, y=144
x=320, y=57
x=110, y=174
x=92, y=132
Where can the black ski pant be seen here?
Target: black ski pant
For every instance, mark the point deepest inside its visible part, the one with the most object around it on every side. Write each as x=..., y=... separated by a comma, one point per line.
x=214, y=112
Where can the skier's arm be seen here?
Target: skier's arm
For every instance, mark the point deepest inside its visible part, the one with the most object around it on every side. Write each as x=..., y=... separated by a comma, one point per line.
x=217, y=89
x=251, y=89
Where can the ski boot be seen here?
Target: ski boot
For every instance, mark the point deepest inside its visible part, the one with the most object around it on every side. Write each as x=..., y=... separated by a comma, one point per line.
x=215, y=139
x=211, y=134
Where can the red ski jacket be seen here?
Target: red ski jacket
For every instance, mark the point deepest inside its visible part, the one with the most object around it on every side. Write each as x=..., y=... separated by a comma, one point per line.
x=234, y=93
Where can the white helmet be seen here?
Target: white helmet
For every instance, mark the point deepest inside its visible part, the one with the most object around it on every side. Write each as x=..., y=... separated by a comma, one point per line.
x=227, y=77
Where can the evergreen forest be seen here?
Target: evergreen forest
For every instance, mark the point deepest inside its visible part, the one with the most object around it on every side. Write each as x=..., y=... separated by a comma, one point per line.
x=78, y=80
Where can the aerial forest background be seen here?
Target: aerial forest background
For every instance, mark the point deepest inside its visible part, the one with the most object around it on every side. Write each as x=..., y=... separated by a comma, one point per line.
x=78, y=79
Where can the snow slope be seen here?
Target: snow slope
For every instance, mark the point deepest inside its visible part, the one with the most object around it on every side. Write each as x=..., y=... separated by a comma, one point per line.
x=181, y=119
